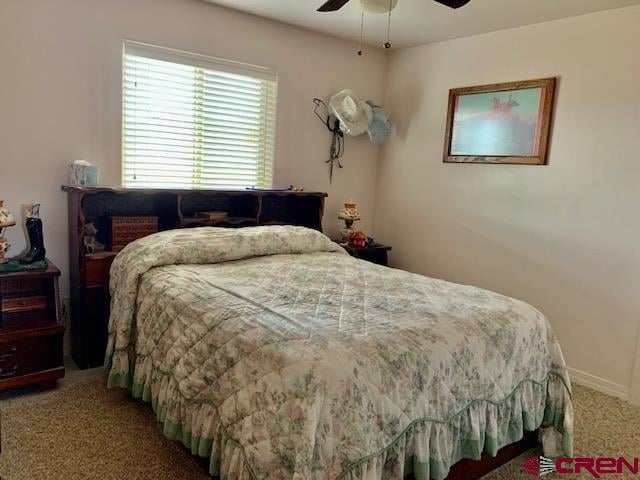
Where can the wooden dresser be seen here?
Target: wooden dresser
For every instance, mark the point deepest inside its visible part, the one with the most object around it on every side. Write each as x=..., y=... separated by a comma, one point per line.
x=31, y=332
x=89, y=272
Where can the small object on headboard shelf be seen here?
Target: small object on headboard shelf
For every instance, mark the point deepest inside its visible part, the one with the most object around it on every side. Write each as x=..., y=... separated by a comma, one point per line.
x=212, y=215
x=91, y=245
x=290, y=188
x=125, y=230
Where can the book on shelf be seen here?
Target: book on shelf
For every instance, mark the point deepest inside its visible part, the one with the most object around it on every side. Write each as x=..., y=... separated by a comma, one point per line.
x=212, y=215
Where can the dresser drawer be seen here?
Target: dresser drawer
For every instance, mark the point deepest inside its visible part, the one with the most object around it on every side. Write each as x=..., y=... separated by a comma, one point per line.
x=24, y=304
x=24, y=286
x=29, y=355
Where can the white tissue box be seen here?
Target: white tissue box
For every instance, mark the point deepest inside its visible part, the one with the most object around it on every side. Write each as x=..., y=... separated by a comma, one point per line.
x=83, y=174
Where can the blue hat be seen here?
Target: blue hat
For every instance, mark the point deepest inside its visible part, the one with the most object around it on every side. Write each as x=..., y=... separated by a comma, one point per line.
x=380, y=126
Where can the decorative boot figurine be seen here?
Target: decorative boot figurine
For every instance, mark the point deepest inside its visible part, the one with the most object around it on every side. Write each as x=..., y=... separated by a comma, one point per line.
x=36, y=251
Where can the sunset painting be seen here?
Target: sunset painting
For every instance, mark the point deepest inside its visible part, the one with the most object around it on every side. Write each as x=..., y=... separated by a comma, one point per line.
x=495, y=125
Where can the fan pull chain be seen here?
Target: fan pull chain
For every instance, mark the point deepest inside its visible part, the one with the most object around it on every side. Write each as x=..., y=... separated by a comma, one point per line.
x=387, y=44
x=361, y=34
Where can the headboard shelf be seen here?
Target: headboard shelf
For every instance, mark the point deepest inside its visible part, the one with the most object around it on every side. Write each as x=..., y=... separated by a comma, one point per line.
x=178, y=191
x=174, y=208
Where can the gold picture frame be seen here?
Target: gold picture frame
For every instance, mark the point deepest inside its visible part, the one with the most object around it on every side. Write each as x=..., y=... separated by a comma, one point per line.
x=502, y=123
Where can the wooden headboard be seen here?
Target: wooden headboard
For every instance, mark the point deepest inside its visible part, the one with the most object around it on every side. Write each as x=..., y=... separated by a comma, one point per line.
x=89, y=273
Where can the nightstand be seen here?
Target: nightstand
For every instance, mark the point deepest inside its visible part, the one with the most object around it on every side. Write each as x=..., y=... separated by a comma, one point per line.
x=376, y=253
x=31, y=331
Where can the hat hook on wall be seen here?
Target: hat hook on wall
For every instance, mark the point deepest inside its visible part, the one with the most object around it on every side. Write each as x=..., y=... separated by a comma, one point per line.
x=337, y=135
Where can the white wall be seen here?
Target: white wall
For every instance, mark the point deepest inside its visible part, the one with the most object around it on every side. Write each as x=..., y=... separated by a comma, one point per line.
x=60, y=95
x=563, y=237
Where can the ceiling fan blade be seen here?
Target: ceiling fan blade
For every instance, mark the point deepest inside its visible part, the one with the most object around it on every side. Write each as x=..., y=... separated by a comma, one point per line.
x=453, y=3
x=333, y=5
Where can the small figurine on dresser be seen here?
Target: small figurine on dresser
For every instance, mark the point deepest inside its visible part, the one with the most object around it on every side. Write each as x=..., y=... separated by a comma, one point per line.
x=6, y=220
x=34, y=257
x=36, y=252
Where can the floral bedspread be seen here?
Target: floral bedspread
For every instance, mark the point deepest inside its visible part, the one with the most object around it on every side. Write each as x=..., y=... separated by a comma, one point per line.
x=272, y=352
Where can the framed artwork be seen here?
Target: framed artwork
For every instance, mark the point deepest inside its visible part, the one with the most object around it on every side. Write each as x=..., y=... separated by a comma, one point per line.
x=500, y=123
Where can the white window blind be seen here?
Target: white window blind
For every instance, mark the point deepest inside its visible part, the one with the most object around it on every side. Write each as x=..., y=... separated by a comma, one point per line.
x=191, y=121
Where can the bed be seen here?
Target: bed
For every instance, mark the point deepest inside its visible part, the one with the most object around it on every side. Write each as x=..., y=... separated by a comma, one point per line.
x=274, y=354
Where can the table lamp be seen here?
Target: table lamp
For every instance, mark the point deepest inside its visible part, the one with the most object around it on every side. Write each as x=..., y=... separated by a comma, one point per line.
x=350, y=214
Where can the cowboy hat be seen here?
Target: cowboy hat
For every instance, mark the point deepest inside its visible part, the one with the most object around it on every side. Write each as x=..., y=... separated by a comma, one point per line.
x=380, y=126
x=354, y=114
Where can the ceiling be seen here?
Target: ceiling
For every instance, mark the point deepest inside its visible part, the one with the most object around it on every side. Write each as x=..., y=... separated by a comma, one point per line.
x=415, y=22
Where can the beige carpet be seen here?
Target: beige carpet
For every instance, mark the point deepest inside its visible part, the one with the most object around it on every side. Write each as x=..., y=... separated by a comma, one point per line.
x=84, y=431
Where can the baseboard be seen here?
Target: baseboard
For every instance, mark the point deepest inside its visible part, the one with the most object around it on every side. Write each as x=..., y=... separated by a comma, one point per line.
x=600, y=384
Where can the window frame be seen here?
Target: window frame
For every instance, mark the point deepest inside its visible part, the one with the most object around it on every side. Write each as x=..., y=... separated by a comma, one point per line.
x=205, y=62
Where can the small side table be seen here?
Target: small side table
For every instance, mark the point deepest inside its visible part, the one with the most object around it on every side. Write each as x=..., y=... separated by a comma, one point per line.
x=375, y=253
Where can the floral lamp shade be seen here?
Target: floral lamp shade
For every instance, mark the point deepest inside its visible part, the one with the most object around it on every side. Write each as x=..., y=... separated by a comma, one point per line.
x=349, y=212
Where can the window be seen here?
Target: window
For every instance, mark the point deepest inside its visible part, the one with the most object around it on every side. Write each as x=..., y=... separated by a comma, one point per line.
x=191, y=121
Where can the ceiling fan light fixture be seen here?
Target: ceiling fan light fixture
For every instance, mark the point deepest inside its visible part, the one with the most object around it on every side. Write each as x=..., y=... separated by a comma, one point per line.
x=378, y=6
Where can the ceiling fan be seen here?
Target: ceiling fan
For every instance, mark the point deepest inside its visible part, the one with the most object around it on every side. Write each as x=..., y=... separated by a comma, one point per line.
x=333, y=5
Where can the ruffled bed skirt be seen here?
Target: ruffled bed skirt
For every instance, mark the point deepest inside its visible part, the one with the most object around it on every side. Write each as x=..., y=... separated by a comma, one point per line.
x=427, y=448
